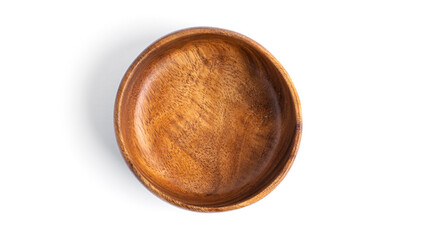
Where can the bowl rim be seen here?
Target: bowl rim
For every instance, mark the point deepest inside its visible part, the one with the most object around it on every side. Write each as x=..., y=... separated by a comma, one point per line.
x=222, y=32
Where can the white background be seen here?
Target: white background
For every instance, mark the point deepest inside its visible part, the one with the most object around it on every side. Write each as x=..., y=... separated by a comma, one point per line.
x=360, y=68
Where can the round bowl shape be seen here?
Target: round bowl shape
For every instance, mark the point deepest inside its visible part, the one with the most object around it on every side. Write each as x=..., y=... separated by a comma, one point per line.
x=208, y=119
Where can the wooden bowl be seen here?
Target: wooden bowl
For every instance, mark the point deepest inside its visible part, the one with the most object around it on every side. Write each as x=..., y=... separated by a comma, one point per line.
x=208, y=119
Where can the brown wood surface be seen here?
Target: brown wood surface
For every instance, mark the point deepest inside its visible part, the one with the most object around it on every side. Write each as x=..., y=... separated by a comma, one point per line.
x=208, y=119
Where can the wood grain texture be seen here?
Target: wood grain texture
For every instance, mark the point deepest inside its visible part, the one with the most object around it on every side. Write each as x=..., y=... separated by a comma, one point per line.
x=208, y=119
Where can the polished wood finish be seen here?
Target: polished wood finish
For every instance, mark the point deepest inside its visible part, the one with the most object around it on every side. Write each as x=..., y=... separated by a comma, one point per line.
x=208, y=119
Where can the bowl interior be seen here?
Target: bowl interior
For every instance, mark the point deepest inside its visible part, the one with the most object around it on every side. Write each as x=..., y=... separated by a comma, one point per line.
x=206, y=120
